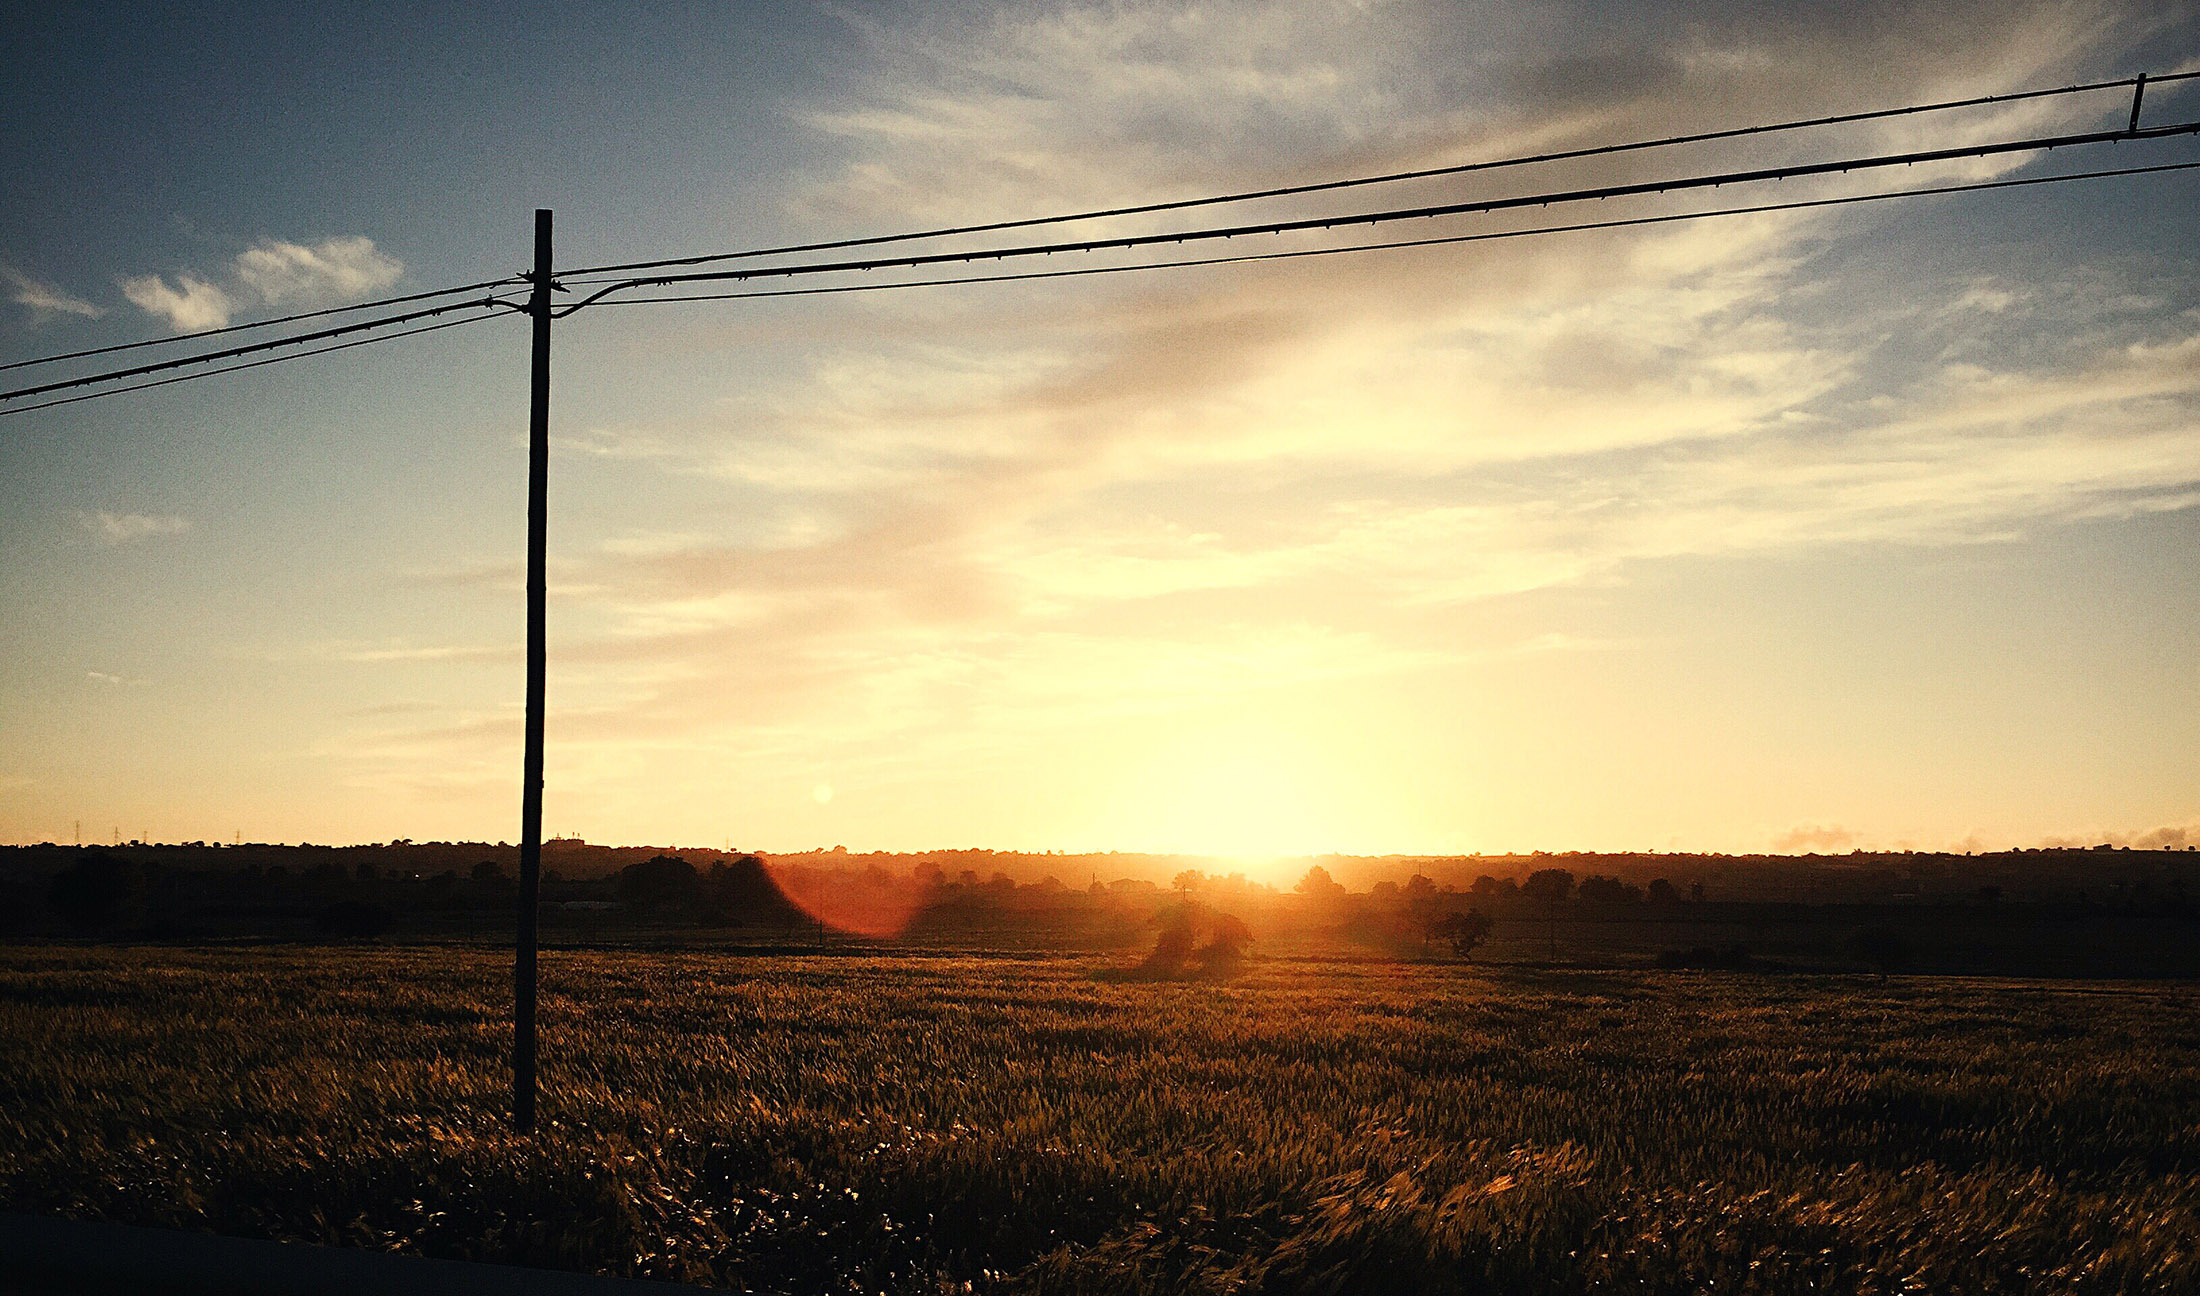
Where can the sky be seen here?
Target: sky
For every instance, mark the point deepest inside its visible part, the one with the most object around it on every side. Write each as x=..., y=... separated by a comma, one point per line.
x=1856, y=527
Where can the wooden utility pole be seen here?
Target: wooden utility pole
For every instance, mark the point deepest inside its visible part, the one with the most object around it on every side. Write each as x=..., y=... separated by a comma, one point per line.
x=530, y=795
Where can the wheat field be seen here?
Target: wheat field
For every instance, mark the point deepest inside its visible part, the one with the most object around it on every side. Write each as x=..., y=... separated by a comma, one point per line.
x=972, y=1123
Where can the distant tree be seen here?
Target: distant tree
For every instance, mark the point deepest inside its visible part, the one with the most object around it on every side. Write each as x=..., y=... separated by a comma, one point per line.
x=1188, y=881
x=1172, y=949
x=1463, y=930
x=1549, y=887
x=1598, y=889
x=97, y=891
x=1196, y=938
x=490, y=873
x=1886, y=949
x=1318, y=885
x=1426, y=908
x=1228, y=939
x=366, y=872
x=742, y=890
x=663, y=883
x=1989, y=894
x=1663, y=892
x=929, y=876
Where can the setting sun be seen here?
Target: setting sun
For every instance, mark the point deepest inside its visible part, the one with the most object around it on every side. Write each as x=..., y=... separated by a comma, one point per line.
x=1243, y=795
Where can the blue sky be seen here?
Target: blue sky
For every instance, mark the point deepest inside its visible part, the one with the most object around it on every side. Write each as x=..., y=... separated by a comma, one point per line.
x=1864, y=527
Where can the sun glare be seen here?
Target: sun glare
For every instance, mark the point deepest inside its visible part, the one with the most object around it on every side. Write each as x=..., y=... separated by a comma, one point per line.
x=1247, y=797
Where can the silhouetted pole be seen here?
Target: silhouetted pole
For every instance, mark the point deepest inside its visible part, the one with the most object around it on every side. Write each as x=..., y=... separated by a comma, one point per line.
x=530, y=795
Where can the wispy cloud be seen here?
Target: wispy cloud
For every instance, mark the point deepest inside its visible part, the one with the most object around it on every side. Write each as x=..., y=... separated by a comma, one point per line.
x=432, y=653
x=44, y=298
x=1820, y=838
x=191, y=306
x=2176, y=836
x=2168, y=837
x=106, y=679
x=956, y=524
x=1146, y=493
x=387, y=652
x=121, y=528
x=337, y=268
x=273, y=272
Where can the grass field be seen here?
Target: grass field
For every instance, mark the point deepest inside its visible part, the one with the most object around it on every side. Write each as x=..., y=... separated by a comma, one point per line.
x=996, y=1123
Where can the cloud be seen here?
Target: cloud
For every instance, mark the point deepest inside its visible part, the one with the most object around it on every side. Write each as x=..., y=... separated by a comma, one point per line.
x=2166, y=837
x=387, y=652
x=121, y=528
x=1816, y=839
x=274, y=272
x=193, y=306
x=956, y=520
x=1350, y=438
x=114, y=681
x=44, y=298
x=333, y=269
x=431, y=653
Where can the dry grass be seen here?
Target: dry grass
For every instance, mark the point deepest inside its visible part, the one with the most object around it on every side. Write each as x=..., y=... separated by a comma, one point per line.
x=918, y=1124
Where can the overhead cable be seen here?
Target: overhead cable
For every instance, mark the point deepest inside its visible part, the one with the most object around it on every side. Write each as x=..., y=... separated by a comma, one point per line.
x=249, y=364
x=1325, y=186
x=266, y=323
x=273, y=343
x=1440, y=240
x=1547, y=199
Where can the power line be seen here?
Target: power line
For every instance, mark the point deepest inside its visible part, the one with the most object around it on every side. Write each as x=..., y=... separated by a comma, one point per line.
x=1484, y=236
x=1546, y=199
x=1603, y=150
x=266, y=323
x=2133, y=132
x=249, y=364
x=204, y=356
x=1294, y=254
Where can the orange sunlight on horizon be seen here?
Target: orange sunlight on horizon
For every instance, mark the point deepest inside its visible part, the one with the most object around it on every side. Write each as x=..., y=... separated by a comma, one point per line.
x=1246, y=795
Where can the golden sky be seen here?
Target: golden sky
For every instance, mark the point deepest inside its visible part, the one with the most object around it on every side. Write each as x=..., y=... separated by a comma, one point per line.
x=1858, y=527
